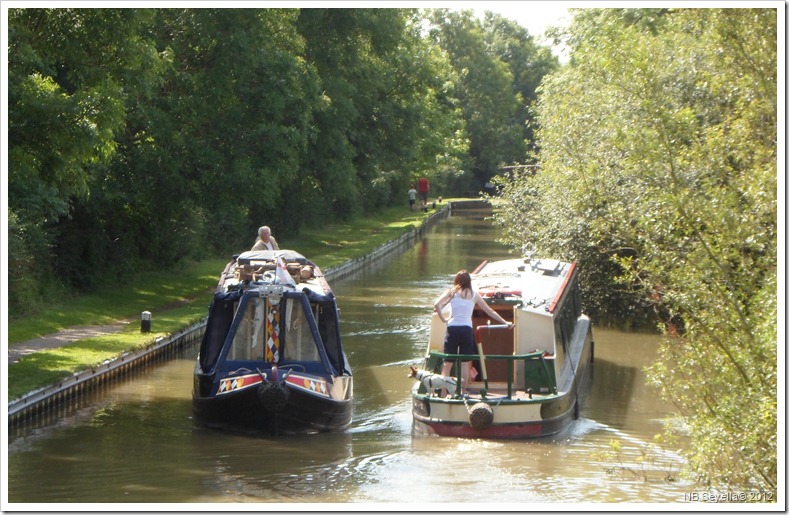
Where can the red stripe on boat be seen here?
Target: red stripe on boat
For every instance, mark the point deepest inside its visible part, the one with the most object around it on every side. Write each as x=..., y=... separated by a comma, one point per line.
x=558, y=297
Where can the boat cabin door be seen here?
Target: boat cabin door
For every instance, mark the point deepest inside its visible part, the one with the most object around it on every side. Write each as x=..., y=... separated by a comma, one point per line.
x=495, y=341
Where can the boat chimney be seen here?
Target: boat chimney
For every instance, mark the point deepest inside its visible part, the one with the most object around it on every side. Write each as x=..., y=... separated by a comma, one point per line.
x=528, y=250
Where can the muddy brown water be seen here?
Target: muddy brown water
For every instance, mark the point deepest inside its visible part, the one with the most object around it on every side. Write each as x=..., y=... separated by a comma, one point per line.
x=134, y=442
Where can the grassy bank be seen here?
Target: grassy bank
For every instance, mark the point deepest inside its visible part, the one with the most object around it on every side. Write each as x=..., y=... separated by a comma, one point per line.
x=176, y=298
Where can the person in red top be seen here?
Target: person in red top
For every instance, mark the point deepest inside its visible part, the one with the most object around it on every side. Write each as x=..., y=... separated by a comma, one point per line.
x=424, y=188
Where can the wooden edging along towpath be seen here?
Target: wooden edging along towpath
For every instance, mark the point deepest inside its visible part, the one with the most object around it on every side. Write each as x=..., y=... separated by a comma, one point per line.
x=40, y=401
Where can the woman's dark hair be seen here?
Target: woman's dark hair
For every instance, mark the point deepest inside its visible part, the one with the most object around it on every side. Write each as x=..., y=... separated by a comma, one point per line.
x=462, y=281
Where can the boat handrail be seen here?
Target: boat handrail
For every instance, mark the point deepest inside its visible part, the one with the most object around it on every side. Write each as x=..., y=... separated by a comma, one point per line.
x=537, y=355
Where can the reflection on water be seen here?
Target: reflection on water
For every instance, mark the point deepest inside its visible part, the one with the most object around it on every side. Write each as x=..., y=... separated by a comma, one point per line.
x=136, y=443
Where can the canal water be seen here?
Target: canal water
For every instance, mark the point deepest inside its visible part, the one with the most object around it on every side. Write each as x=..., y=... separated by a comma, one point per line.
x=134, y=442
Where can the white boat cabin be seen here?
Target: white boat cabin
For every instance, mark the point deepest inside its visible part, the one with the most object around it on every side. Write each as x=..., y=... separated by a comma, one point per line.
x=542, y=298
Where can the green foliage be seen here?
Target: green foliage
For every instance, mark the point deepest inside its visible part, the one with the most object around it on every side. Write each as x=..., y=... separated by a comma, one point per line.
x=528, y=63
x=69, y=73
x=498, y=69
x=485, y=93
x=658, y=154
x=22, y=269
x=383, y=114
x=65, y=106
x=143, y=138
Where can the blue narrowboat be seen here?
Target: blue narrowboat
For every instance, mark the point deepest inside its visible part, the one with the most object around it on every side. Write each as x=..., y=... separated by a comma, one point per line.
x=271, y=359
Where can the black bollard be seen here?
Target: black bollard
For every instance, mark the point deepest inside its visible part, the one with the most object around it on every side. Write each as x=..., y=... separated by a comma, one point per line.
x=145, y=322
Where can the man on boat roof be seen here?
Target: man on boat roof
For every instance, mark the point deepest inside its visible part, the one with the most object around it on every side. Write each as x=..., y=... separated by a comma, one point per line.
x=265, y=240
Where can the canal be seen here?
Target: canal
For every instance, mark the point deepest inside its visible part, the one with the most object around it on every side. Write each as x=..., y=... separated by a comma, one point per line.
x=134, y=442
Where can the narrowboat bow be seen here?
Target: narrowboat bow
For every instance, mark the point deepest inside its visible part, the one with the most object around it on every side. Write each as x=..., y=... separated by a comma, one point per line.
x=271, y=359
x=528, y=378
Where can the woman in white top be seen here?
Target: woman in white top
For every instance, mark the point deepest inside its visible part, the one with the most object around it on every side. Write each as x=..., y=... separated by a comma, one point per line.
x=459, y=337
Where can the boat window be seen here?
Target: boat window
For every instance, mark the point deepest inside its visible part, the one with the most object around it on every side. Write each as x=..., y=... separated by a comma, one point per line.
x=219, y=320
x=250, y=340
x=326, y=319
x=299, y=343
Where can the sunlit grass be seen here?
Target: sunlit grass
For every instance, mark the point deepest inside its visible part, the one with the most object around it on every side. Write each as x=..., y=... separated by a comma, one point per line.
x=48, y=367
x=333, y=244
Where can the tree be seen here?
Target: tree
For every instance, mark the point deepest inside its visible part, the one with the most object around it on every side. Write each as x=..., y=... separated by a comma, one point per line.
x=658, y=154
x=235, y=119
x=69, y=72
x=386, y=111
x=498, y=69
x=528, y=63
x=143, y=137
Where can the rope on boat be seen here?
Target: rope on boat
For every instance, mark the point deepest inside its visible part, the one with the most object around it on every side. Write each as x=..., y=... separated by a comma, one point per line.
x=273, y=395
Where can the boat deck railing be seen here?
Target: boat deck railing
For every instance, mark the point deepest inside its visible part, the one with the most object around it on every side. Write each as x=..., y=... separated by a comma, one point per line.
x=510, y=358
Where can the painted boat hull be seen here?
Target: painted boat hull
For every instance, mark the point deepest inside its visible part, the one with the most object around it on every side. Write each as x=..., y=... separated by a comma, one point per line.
x=516, y=430
x=305, y=411
x=512, y=419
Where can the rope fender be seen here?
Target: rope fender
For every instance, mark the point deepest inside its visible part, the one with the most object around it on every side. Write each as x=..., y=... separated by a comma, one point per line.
x=273, y=395
x=480, y=416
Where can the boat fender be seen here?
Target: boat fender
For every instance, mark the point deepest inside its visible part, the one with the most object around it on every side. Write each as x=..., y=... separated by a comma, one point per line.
x=480, y=416
x=273, y=395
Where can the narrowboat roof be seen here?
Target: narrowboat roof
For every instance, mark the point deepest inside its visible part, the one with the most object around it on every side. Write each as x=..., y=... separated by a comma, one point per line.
x=535, y=282
x=256, y=268
x=261, y=256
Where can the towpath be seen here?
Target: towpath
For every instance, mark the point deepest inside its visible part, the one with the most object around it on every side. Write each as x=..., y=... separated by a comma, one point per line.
x=18, y=350
x=52, y=341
